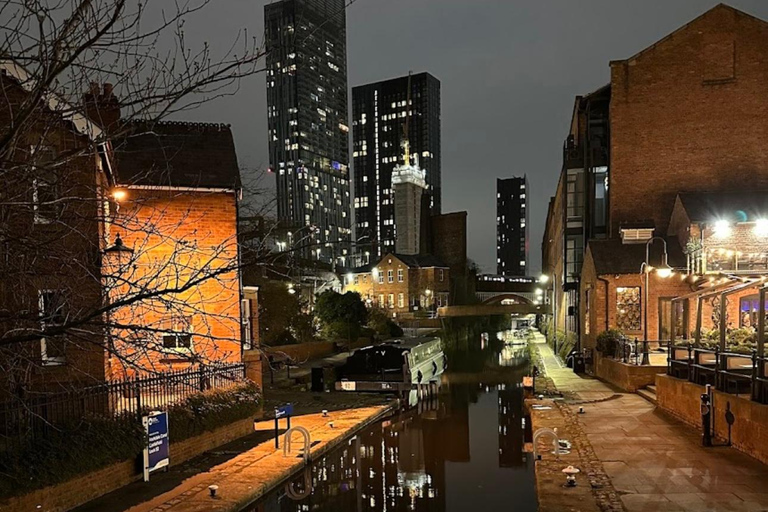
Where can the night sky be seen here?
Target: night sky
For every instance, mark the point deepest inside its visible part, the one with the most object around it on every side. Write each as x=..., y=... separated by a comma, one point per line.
x=510, y=70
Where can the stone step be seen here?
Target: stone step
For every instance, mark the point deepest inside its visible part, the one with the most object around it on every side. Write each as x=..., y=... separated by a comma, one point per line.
x=648, y=395
x=651, y=388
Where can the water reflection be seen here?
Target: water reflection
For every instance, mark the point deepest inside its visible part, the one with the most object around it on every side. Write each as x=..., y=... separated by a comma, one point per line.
x=461, y=450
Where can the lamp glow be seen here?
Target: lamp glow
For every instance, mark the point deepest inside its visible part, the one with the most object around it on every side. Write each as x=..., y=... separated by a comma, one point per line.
x=722, y=228
x=664, y=272
x=119, y=194
x=761, y=227
x=544, y=278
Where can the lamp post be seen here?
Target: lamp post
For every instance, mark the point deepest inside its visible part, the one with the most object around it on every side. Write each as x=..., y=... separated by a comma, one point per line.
x=663, y=271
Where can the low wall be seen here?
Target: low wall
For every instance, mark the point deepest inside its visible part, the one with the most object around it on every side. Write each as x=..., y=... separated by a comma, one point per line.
x=305, y=351
x=682, y=399
x=627, y=377
x=75, y=492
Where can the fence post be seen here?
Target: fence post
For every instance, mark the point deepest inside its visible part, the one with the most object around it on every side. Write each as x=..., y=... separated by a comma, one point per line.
x=137, y=391
x=753, y=387
x=202, y=378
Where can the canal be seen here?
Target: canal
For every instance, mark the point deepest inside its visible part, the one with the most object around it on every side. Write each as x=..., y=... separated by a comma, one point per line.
x=460, y=451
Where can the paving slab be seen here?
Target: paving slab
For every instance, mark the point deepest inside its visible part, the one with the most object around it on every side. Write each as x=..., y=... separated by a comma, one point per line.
x=654, y=462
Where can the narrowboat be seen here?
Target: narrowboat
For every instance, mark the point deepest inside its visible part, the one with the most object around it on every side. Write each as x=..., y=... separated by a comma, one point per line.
x=398, y=365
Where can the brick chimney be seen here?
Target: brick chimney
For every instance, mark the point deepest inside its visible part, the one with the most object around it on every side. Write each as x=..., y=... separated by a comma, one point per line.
x=102, y=106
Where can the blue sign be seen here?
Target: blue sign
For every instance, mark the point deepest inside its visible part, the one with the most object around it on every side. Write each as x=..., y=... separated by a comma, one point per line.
x=286, y=410
x=156, y=454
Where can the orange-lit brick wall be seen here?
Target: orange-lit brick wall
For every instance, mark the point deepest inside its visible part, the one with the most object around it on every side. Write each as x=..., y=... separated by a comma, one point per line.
x=181, y=241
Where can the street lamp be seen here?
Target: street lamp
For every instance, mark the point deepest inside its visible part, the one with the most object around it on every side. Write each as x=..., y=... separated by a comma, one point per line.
x=663, y=271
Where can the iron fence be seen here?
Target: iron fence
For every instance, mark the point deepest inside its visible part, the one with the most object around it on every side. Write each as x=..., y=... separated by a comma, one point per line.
x=731, y=372
x=35, y=415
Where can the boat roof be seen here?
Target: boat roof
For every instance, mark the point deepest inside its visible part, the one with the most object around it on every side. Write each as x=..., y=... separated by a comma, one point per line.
x=403, y=343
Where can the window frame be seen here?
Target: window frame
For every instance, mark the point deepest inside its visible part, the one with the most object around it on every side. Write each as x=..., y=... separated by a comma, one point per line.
x=174, y=332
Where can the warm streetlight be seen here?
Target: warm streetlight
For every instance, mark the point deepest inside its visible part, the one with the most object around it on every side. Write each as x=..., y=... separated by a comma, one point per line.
x=120, y=194
x=663, y=271
x=761, y=227
x=544, y=278
x=722, y=228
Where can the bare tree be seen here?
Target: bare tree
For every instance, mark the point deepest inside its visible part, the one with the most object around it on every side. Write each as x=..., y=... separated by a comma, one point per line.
x=98, y=262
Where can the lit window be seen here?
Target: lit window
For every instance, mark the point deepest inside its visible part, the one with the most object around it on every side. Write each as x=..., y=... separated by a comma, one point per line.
x=390, y=276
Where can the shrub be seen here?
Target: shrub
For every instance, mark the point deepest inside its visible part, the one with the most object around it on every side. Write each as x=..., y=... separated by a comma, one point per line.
x=608, y=341
x=212, y=409
x=382, y=325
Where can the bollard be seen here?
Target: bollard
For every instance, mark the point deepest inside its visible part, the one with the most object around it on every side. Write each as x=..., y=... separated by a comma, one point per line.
x=706, y=420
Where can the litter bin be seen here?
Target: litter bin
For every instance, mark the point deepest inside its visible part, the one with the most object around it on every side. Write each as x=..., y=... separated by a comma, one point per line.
x=578, y=363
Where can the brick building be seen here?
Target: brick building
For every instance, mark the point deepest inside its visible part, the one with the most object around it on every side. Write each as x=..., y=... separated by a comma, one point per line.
x=682, y=117
x=121, y=254
x=178, y=213
x=402, y=283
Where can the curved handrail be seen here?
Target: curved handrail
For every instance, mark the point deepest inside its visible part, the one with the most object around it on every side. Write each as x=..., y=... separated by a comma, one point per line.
x=287, y=441
x=555, y=443
x=295, y=495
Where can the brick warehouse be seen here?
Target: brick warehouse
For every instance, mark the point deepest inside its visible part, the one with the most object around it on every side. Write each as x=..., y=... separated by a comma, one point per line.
x=684, y=116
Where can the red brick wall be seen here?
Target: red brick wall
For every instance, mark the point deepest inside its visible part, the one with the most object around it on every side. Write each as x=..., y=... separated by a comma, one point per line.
x=599, y=311
x=688, y=115
x=175, y=236
x=750, y=430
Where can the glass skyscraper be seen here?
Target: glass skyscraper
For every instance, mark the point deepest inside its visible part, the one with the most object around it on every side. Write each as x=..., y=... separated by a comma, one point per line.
x=308, y=126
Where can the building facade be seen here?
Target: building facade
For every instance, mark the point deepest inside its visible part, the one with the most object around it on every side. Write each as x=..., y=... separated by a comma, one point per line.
x=307, y=123
x=380, y=112
x=401, y=283
x=677, y=119
x=511, y=226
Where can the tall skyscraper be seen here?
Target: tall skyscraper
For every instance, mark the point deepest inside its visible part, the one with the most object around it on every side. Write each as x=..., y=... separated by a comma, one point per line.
x=511, y=226
x=307, y=121
x=379, y=114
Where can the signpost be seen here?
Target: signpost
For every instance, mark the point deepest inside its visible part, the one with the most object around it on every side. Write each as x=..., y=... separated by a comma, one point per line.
x=156, y=454
x=282, y=412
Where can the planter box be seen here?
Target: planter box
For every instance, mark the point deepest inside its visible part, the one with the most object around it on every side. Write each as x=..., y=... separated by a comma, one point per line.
x=627, y=377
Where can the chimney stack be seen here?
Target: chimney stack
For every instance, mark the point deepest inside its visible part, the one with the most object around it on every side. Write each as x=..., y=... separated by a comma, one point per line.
x=102, y=106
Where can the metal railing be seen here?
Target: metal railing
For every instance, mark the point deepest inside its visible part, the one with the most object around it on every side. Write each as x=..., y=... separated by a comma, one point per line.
x=637, y=352
x=730, y=372
x=37, y=415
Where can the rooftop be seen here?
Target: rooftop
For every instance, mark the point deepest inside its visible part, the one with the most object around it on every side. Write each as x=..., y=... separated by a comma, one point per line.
x=177, y=154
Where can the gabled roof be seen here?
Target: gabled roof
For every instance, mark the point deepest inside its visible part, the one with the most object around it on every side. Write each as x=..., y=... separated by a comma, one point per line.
x=411, y=261
x=732, y=206
x=419, y=260
x=718, y=7
x=177, y=154
x=611, y=256
x=55, y=103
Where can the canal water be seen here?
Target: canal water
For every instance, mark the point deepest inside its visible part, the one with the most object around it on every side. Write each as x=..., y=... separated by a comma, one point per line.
x=460, y=451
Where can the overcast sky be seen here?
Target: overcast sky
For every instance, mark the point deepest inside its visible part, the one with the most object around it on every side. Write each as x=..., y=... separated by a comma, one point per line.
x=509, y=70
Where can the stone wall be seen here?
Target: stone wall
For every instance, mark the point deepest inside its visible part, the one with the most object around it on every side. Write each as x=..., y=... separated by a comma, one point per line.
x=75, y=492
x=750, y=430
x=628, y=377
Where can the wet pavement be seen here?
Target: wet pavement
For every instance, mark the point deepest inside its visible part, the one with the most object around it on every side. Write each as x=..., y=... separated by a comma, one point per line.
x=654, y=462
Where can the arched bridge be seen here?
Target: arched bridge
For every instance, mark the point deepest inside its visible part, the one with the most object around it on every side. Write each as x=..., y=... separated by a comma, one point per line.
x=506, y=299
x=493, y=310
